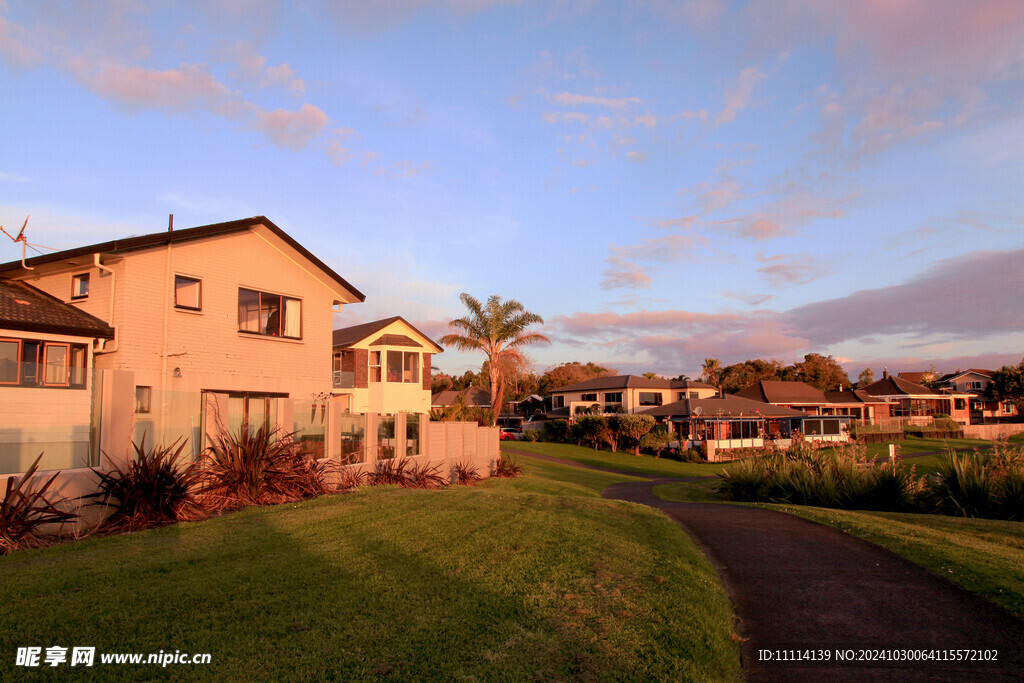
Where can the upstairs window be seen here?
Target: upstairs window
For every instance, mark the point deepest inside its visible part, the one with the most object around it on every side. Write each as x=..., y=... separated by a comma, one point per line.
x=80, y=286
x=613, y=397
x=589, y=397
x=31, y=363
x=375, y=369
x=188, y=293
x=268, y=314
x=650, y=398
x=10, y=361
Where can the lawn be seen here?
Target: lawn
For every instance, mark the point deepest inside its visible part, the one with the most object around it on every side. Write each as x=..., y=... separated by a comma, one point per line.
x=626, y=462
x=528, y=578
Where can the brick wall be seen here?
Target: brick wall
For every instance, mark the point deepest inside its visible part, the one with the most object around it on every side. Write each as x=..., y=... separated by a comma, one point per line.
x=426, y=371
x=362, y=368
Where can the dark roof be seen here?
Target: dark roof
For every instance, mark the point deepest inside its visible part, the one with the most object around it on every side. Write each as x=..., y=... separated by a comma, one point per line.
x=473, y=396
x=894, y=386
x=777, y=391
x=851, y=396
x=961, y=373
x=724, y=406
x=347, y=336
x=630, y=381
x=917, y=377
x=160, y=239
x=25, y=308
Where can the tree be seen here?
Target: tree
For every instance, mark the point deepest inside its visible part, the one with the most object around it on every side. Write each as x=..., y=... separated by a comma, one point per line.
x=499, y=330
x=570, y=373
x=441, y=381
x=823, y=372
x=633, y=427
x=738, y=377
x=1008, y=385
x=866, y=377
x=712, y=371
x=651, y=375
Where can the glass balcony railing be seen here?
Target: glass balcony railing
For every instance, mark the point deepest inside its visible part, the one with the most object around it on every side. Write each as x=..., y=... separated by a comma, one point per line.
x=344, y=380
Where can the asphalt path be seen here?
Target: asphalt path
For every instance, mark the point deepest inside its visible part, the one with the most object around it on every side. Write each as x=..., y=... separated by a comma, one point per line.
x=804, y=592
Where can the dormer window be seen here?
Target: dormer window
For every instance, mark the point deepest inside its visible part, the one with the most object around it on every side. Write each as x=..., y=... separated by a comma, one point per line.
x=80, y=286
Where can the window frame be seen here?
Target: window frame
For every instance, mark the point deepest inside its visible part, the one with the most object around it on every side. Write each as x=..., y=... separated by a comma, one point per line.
x=613, y=397
x=199, y=297
x=76, y=281
x=148, y=393
x=640, y=398
x=72, y=350
x=281, y=311
x=589, y=397
x=45, y=364
x=17, y=361
x=378, y=376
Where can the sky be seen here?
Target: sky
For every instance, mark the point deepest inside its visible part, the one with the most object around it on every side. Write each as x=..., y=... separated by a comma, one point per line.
x=661, y=181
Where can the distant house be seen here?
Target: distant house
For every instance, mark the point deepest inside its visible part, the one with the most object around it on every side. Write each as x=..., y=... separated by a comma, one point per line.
x=383, y=366
x=976, y=383
x=624, y=394
x=471, y=397
x=854, y=403
x=720, y=423
x=922, y=378
x=915, y=402
x=46, y=379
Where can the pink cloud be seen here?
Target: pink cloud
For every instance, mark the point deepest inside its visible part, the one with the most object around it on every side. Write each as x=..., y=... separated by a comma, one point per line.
x=781, y=269
x=624, y=274
x=188, y=87
x=571, y=100
x=293, y=129
x=738, y=97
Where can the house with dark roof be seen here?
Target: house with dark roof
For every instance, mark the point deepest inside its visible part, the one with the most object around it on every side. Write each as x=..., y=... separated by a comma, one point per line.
x=909, y=401
x=46, y=379
x=722, y=423
x=471, y=397
x=216, y=326
x=856, y=404
x=624, y=394
x=383, y=367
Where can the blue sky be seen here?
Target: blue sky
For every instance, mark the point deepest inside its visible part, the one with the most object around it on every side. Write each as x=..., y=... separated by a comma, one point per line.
x=661, y=181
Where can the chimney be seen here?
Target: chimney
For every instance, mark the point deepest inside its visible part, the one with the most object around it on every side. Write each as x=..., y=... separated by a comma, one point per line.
x=170, y=222
x=885, y=373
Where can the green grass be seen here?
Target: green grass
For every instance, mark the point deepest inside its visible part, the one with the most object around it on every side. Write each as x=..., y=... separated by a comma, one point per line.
x=983, y=555
x=515, y=579
x=542, y=476
x=627, y=462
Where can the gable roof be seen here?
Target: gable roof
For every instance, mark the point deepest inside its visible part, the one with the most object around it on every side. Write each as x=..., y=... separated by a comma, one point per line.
x=25, y=308
x=729, y=405
x=345, y=337
x=778, y=391
x=960, y=373
x=160, y=239
x=895, y=386
x=630, y=382
x=472, y=396
x=917, y=377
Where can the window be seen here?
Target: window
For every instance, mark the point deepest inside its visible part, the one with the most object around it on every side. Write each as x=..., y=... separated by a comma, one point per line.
x=558, y=401
x=80, y=286
x=394, y=366
x=694, y=394
x=375, y=370
x=1007, y=407
x=974, y=385
x=412, y=434
x=10, y=361
x=411, y=371
x=143, y=399
x=650, y=398
x=613, y=397
x=31, y=363
x=273, y=315
x=188, y=293
x=386, y=438
x=589, y=397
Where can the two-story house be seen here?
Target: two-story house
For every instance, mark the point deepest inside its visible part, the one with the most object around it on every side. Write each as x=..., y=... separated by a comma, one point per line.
x=976, y=383
x=624, y=394
x=212, y=325
x=383, y=367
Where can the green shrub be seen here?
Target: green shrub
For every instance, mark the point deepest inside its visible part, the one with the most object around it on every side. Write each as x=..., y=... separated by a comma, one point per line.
x=556, y=431
x=745, y=481
x=962, y=487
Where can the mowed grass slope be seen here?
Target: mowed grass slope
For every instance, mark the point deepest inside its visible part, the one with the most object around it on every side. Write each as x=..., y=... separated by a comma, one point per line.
x=624, y=461
x=530, y=578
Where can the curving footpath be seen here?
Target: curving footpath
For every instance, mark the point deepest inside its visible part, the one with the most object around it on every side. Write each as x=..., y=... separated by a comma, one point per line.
x=802, y=589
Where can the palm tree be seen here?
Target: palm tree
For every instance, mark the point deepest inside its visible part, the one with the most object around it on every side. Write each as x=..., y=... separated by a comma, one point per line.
x=499, y=330
x=712, y=372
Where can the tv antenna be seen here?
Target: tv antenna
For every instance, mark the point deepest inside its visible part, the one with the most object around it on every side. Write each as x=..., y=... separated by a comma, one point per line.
x=697, y=411
x=24, y=242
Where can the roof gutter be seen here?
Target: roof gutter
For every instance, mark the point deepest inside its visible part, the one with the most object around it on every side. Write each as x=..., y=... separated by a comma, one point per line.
x=110, y=316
